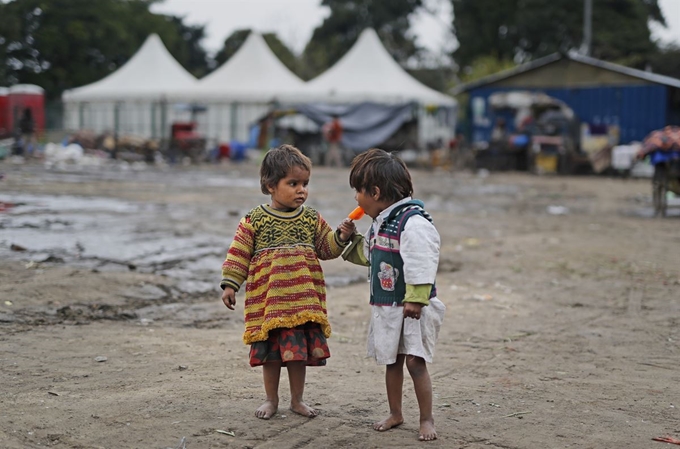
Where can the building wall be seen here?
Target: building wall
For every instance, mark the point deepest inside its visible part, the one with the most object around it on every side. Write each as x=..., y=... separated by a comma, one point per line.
x=636, y=109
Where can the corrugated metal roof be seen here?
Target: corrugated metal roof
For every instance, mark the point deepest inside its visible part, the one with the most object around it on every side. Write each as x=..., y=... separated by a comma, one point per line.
x=574, y=56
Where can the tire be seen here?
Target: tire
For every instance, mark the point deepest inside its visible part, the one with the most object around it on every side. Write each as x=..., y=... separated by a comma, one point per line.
x=659, y=190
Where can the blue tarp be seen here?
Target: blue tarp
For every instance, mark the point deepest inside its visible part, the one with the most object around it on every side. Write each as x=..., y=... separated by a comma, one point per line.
x=365, y=125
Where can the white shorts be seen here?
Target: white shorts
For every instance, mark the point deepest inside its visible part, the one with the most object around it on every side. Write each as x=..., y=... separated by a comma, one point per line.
x=390, y=334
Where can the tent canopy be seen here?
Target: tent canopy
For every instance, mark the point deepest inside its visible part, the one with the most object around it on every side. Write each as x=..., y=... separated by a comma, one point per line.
x=252, y=74
x=152, y=73
x=369, y=73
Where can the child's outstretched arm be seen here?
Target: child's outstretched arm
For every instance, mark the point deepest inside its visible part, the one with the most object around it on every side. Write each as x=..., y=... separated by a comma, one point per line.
x=346, y=228
x=328, y=242
x=357, y=251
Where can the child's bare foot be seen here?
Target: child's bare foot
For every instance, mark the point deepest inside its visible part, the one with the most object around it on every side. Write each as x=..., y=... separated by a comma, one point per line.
x=388, y=423
x=266, y=410
x=427, y=431
x=303, y=409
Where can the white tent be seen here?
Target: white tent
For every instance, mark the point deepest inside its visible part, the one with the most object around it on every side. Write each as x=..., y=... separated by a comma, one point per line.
x=368, y=73
x=243, y=89
x=134, y=99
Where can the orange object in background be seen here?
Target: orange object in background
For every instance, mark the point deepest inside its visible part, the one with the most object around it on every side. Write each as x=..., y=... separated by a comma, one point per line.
x=356, y=214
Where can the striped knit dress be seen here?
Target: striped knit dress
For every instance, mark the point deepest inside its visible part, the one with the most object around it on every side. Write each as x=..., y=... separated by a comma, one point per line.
x=277, y=254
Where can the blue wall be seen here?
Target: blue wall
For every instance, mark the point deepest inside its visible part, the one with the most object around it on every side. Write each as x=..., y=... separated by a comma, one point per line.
x=637, y=110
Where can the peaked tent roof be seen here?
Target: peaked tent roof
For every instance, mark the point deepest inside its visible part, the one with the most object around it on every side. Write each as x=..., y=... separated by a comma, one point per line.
x=572, y=56
x=367, y=72
x=151, y=73
x=253, y=73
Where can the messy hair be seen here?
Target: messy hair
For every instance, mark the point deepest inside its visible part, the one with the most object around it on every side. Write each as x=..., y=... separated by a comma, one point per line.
x=378, y=168
x=278, y=162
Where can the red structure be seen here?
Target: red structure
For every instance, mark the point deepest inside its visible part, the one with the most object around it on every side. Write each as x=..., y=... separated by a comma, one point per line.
x=4, y=113
x=20, y=97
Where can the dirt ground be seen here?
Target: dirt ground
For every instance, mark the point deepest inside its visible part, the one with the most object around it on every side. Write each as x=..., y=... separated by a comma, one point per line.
x=562, y=328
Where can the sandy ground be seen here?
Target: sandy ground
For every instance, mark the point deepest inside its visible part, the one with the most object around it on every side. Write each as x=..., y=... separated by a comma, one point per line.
x=562, y=330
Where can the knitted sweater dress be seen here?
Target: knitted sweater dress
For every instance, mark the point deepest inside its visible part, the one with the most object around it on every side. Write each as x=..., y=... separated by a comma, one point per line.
x=277, y=254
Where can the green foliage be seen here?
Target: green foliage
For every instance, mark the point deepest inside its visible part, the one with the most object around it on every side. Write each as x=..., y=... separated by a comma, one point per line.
x=60, y=44
x=484, y=66
x=521, y=30
x=666, y=61
x=231, y=46
x=348, y=18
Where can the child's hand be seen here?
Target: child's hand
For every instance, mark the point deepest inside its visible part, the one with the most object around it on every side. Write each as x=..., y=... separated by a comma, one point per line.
x=412, y=310
x=229, y=297
x=346, y=229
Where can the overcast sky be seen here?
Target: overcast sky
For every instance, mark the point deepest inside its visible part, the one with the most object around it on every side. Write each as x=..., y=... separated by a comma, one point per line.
x=294, y=20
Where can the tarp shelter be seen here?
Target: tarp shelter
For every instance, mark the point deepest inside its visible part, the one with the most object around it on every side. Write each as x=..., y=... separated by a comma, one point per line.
x=135, y=99
x=365, y=125
x=368, y=73
x=244, y=89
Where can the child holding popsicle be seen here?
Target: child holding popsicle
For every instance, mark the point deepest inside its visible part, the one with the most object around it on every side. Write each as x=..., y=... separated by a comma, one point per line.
x=402, y=250
x=276, y=251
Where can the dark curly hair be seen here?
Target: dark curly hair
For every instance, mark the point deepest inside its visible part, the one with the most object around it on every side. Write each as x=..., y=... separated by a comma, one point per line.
x=378, y=168
x=278, y=162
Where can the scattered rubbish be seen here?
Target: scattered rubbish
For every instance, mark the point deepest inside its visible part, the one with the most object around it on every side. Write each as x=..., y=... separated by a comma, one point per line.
x=517, y=414
x=31, y=264
x=182, y=367
x=182, y=443
x=53, y=393
x=100, y=358
x=226, y=432
x=4, y=207
x=670, y=440
x=494, y=405
x=8, y=303
x=558, y=210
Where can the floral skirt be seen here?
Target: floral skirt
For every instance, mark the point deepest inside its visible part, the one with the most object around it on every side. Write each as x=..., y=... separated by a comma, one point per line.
x=304, y=343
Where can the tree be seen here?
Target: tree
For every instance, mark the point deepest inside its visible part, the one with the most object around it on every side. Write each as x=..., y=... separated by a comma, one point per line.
x=666, y=61
x=348, y=18
x=60, y=44
x=521, y=30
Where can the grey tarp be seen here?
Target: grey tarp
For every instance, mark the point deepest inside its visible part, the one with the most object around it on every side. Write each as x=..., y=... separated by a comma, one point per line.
x=365, y=125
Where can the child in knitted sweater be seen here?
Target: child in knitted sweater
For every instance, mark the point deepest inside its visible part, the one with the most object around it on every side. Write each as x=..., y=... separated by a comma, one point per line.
x=276, y=251
x=402, y=250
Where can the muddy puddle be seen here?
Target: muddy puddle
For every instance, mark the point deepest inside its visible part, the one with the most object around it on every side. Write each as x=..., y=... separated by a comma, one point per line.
x=110, y=235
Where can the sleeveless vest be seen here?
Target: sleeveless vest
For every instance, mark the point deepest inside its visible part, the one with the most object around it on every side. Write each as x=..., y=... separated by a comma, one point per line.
x=387, y=267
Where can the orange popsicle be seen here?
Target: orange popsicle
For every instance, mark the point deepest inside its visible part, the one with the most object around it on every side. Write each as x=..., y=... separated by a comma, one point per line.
x=356, y=214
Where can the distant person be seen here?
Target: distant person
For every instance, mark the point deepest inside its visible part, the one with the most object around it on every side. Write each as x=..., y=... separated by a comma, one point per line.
x=499, y=133
x=276, y=251
x=27, y=131
x=332, y=132
x=402, y=250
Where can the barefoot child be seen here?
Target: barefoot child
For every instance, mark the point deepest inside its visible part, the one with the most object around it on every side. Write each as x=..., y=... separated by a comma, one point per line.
x=276, y=251
x=402, y=250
